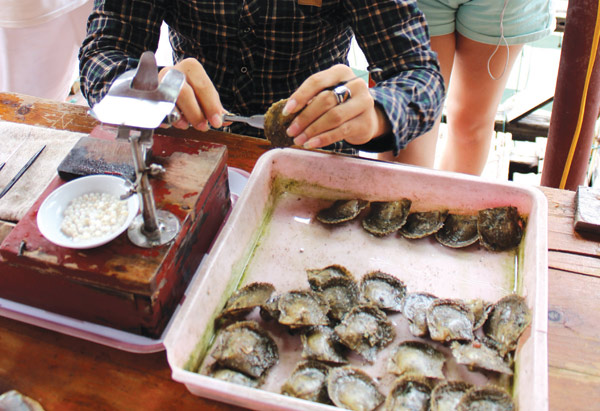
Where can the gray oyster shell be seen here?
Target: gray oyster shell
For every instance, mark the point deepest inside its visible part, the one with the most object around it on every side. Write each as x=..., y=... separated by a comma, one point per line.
x=458, y=231
x=341, y=211
x=322, y=344
x=318, y=277
x=308, y=382
x=353, y=389
x=409, y=393
x=341, y=294
x=480, y=309
x=446, y=395
x=449, y=320
x=500, y=228
x=414, y=308
x=269, y=310
x=423, y=223
x=486, y=398
x=365, y=330
x=244, y=300
x=382, y=290
x=416, y=358
x=507, y=320
x=236, y=377
x=386, y=217
x=477, y=355
x=302, y=308
x=244, y=346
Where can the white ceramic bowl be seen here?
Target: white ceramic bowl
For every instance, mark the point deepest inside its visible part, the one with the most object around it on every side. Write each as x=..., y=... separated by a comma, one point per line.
x=51, y=212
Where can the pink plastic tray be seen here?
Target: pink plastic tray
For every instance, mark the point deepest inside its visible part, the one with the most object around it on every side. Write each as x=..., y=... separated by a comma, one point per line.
x=272, y=236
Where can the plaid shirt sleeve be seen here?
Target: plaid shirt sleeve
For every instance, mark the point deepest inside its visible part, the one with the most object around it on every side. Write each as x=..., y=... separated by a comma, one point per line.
x=257, y=52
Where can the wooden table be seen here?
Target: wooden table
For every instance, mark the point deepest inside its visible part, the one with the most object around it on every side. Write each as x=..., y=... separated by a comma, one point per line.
x=64, y=373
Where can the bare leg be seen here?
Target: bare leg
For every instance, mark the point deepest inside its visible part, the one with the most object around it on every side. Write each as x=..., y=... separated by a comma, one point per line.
x=472, y=103
x=421, y=152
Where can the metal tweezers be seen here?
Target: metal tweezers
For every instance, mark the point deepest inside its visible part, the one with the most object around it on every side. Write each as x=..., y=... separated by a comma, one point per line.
x=21, y=172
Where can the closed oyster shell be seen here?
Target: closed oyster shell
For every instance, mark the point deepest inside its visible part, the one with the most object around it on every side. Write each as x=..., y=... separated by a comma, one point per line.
x=245, y=300
x=341, y=294
x=341, y=211
x=308, y=381
x=458, y=231
x=319, y=276
x=507, y=320
x=269, y=310
x=423, y=223
x=414, y=308
x=353, y=389
x=449, y=320
x=446, y=395
x=480, y=309
x=366, y=330
x=322, y=344
x=382, y=290
x=236, y=377
x=302, y=308
x=244, y=346
x=500, y=228
x=486, y=398
x=386, y=217
x=409, y=393
x=276, y=125
x=477, y=355
x=416, y=358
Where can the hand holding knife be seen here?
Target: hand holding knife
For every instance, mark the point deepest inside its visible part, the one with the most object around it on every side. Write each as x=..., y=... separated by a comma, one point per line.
x=21, y=172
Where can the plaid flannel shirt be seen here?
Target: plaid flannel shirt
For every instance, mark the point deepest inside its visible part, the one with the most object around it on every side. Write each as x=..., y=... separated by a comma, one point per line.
x=259, y=51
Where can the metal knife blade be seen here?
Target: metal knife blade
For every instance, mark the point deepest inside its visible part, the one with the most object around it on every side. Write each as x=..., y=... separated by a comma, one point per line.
x=257, y=120
x=21, y=172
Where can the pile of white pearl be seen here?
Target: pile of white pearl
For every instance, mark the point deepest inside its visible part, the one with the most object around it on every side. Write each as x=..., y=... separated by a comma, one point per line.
x=93, y=215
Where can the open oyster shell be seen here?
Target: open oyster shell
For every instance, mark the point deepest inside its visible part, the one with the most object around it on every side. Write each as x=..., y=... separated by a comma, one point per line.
x=500, y=228
x=414, y=308
x=353, y=389
x=276, y=125
x=308, y=381
x=416, y=358
x=386, y=217
x=446, y=395
x=480, y=309
x=302, y=308
x=366, y=330
x=341, y=294
x=477, y=355
x=245, y=300
x=449, y=320
x=322, y=344
x=341, y=211
x=458, y=231
x=507, y=320
x=423, y=223
x=319, y=276
x=244, y=346
x=382, y=290
x=409, y=393
x=486, y=398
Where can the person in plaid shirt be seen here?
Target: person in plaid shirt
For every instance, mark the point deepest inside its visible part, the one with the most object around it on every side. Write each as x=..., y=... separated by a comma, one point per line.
x=242, y=56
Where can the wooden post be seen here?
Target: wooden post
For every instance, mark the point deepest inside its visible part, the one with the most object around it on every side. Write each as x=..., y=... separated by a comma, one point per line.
x=572, y=123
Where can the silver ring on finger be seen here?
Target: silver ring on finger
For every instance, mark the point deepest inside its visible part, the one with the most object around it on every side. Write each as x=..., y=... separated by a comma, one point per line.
x=341, y=93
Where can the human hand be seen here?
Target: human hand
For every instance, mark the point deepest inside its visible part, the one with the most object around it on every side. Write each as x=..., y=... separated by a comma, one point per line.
x=323, y=121
x=198, y=102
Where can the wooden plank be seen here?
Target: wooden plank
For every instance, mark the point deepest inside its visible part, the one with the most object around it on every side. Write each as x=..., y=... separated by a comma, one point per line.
x=583, y=392
x=574, y=263
x=5, y=228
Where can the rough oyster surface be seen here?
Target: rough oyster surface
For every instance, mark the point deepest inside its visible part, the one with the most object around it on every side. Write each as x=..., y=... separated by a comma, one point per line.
x=236, y=377
x=506, y=322
x=500, y=228
x=341, y=211
x=302, y=308
x=319, y=276
x=246, y=299
x=322, y=344
x=244, y=346
x=449, y=320
x=423, y=223
x=386, y=217
x=382, y=290
x=308, y=381
x=458, y=231
x=478, y=355
x=409, y=393
x=353, y=389
x=446, y=395
x=341, y=294
x=486, y=398
x=276, y=125
x=416, y=358
x=414, y=308
x=366, y=330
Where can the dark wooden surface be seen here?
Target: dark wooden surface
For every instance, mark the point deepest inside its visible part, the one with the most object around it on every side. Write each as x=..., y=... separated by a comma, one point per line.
x=66, y=373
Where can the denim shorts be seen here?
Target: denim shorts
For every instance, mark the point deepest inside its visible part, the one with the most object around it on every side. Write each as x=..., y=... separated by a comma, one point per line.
x=524, y=21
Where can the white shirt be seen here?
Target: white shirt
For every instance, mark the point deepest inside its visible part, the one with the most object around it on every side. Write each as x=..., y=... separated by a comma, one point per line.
x=26, y=13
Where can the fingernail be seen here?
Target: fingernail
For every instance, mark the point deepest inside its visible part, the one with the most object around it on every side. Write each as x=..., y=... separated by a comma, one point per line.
x=312, y=143
x=217, y=121
x=301, y=139
x=182, y=124
x=290, y=105
x=292, y=129
x=202, y=126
